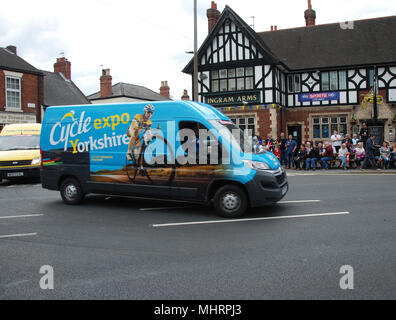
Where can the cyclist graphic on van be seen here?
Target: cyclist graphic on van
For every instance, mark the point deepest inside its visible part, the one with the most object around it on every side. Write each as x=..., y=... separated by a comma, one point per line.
x=139, y=132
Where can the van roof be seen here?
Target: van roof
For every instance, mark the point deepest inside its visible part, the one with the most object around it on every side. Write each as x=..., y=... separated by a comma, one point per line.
x=175, y=109
x=21, y=129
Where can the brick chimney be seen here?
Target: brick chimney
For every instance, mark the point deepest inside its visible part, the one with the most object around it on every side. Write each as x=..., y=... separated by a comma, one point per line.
x=185, y=96
x=165, y=90
x=13, y=49
x=213, y=16
x=63, y=66
x=310, y=15
x=106, y=89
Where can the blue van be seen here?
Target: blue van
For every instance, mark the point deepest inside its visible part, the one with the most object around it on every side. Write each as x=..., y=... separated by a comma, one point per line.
x=177, y=150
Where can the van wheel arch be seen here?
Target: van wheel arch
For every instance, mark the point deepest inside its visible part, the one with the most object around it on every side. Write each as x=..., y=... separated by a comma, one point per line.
x=71, y=190
x=217, y=184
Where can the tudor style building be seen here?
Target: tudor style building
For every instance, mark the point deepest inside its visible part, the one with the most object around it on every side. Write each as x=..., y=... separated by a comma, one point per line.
x=304, y=81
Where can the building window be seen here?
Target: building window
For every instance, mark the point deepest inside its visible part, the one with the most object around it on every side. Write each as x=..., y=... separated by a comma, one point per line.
x=342, y=80
x=13, y=92
x=294, y=83
x=334, y=80
x=325, y=81
x=245, y=123
x=323, y=127
x=229, y=80
x=297, y=83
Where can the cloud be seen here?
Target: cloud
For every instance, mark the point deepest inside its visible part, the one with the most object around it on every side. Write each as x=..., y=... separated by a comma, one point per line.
x=144, y=42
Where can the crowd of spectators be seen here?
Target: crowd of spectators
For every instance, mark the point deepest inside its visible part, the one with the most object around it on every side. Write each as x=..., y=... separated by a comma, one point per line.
x=339, y=152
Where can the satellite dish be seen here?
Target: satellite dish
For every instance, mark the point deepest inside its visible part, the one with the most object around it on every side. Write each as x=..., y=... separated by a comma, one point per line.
x=203, y=76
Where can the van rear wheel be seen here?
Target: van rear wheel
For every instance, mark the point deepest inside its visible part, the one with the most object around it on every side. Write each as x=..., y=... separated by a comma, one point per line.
x=71, y=191
x=230, y=201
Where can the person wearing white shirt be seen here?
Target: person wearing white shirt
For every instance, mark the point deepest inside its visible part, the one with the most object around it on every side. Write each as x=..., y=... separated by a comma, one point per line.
x=336, y=140
x=343, y=155
x=355, y=140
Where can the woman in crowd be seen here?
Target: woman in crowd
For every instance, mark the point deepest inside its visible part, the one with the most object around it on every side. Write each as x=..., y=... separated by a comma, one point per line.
x=343, y=155
x=384, y=156
x=360, y=153
x=301, y=157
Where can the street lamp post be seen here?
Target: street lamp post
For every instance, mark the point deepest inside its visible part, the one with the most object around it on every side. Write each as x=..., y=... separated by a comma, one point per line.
x=195, y=76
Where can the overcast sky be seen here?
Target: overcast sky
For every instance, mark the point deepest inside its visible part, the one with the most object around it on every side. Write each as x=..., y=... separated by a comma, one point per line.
x=144, y=41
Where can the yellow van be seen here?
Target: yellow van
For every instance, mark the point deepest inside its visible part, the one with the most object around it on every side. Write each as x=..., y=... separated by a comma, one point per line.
x=20, y=151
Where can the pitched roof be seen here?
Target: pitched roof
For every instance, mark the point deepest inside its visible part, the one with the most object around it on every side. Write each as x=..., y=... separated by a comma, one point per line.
x=60, y=91
x=11, y=61
x=131, y=91
x=371, y=41
x=228, y=13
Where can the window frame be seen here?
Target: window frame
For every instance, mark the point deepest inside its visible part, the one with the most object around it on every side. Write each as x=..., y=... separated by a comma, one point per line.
x=327, y=120
x=19, y=91
x=241, y=82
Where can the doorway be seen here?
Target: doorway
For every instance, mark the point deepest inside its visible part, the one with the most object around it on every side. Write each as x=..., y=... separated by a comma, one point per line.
x=295, y=131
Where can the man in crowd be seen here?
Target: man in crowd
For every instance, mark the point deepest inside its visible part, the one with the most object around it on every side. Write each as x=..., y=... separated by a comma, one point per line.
x=291, y=146
x=364, y=134
x=336, y=140
x=370, y=157
x=313, y=157
x=328, y=155
x=282, y=146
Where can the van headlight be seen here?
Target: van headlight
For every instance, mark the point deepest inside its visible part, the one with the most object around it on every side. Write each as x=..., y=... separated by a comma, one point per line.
x=36, y=161
x=256, y=165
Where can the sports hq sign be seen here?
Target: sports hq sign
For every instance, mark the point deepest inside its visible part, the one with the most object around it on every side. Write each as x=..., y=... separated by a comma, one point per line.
x=321, y=96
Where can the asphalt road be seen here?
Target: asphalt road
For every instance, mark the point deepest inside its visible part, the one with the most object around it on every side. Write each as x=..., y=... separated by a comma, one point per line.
x=118, y=248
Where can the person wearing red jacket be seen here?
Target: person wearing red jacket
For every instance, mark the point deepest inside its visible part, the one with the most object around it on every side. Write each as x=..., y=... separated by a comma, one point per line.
x=328, y=155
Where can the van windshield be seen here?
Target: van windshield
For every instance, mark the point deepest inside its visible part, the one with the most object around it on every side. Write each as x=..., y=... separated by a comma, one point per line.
x=23, y=142
x=234, y=135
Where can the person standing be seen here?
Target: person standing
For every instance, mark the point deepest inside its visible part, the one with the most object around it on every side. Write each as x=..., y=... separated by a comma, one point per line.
x=291, y=146
x=336, y=140
x=370, y=157
x=364, y=134
x=282, y=146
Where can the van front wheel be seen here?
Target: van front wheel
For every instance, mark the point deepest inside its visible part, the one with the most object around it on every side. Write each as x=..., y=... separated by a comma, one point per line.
x=71, y=191
x=230, y=201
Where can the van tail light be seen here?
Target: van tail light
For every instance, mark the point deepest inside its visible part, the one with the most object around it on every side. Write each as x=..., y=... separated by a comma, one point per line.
x=41, y=159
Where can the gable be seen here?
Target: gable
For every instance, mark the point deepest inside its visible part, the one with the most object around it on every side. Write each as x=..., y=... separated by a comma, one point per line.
x=232, y=40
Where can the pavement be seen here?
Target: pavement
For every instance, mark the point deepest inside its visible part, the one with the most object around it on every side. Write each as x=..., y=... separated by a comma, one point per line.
x=124, y=248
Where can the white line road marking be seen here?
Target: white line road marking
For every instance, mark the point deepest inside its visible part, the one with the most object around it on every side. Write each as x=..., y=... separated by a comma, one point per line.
x=299, y=201
x=246, y=220
x=23, y=216
x=18, y=235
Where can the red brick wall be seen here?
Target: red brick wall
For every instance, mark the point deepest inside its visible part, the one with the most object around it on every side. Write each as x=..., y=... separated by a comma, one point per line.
x=298, y=115
x=29, y=93
x=2, y=91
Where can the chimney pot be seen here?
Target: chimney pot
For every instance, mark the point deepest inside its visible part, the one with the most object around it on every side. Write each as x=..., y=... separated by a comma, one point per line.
x=63, y=66
x=310, y=15
x=106, y=87
x=165, y=90
x=213, y=16
x=13, y=49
